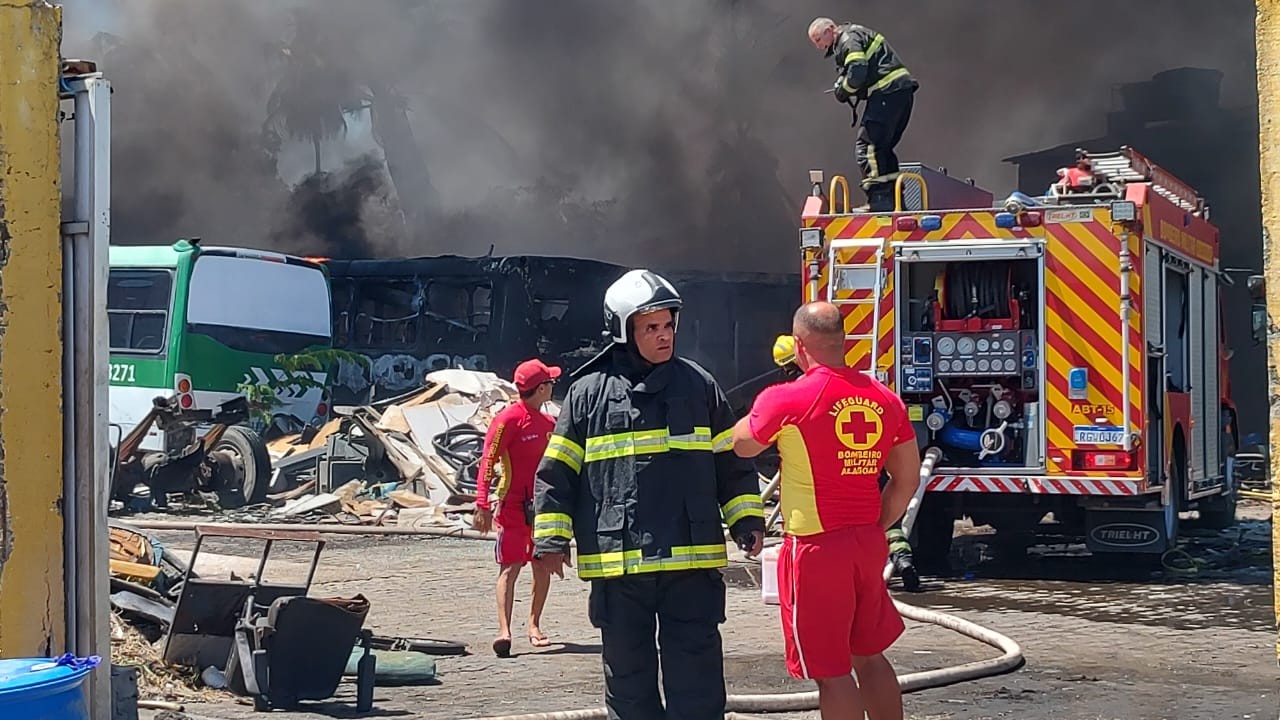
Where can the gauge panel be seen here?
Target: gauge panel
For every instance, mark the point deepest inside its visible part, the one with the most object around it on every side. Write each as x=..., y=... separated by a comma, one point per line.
x=995, y=353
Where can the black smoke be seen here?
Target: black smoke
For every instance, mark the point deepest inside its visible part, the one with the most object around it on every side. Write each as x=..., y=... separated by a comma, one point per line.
x=339, y=214
x=646, y=131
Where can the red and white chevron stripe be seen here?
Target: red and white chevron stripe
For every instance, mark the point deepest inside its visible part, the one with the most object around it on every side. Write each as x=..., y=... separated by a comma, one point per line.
x=1057, y=485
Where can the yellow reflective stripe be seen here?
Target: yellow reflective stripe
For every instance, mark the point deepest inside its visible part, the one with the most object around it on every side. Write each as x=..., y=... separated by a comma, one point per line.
x=743, y=506
x=722, y=442
x=645, y=442
x=860, y=55
x=631, y=562
x=566, y=451
x=553, y=525
x=844, y=83
x=875, y=44
x=884, y=81
x=699, y=439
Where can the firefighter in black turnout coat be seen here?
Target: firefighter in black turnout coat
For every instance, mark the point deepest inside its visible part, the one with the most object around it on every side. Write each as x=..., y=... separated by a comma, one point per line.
x=640, y=470
x=871, y=72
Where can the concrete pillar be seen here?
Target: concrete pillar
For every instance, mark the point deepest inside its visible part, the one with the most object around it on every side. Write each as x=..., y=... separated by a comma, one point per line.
x=1268, y=39
x=32, y=600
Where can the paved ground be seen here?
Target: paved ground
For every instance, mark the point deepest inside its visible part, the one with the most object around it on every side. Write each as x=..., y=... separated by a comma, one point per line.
x=1135, y=645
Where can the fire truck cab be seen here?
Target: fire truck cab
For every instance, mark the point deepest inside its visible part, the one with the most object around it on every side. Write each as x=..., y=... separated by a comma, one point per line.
x=1064, y=352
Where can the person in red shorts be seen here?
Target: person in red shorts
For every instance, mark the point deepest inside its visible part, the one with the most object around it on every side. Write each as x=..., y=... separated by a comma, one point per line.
x=836, y=429
x=516, y=438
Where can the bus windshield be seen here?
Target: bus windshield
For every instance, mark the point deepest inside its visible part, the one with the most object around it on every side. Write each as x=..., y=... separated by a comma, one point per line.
x=259, y=305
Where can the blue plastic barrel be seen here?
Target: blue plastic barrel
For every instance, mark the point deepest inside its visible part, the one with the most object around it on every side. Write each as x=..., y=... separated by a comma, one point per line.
x=36, y=689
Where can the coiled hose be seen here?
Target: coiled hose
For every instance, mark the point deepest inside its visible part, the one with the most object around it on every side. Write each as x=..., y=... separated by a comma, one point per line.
x=461, y=447
x=978, y=290
x=1009, y=660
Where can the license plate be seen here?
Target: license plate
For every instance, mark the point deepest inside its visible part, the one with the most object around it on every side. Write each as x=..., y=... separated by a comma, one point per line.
x=1097, y=435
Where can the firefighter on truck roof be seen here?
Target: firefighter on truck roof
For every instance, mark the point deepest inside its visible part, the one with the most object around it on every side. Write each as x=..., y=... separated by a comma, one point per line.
x=870, y=72
x=640, y=471
x=785, y=357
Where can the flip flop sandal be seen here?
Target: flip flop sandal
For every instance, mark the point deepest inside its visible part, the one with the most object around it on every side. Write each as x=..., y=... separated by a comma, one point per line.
x=539, y=641
x=502, y=647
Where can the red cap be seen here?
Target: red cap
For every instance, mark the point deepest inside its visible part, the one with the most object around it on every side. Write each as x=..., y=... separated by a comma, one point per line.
x=532, y=373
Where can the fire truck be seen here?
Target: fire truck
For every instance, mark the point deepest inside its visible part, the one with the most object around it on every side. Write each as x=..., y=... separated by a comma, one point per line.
x=1064, y=352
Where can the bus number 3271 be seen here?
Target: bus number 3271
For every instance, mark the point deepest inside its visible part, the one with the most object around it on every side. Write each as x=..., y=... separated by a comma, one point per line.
x=123, y=373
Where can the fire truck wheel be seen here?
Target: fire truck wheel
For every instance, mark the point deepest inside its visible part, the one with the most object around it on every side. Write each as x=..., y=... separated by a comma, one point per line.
x=931, y=539
x=243, y=465
x=1219, y=512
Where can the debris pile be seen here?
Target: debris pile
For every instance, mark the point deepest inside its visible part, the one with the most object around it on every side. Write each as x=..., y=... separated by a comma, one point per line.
x=192, y=634
x=409, y=461
x=144, y=578
x=157, y=680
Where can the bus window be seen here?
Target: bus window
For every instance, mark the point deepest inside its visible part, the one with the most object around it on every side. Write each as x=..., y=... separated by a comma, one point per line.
x=342, y=291
x=138, y=309
x=259, y=306
x=387, y=315
x=458, y=311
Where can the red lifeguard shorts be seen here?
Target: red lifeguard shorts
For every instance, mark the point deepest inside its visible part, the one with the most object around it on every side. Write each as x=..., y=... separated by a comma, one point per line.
x=835, y=603
x=515, y=537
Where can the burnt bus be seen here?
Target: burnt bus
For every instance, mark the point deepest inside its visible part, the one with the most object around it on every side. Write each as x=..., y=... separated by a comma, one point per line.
x=413, y=316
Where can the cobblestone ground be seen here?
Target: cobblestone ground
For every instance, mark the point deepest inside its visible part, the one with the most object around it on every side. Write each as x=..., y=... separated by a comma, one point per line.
x=1164, y=646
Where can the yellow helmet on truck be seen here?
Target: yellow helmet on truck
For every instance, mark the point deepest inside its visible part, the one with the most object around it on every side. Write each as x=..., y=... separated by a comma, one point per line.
x=784, y=350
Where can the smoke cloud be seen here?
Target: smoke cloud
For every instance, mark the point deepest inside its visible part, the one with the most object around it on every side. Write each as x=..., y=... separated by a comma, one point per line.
x=675, y=134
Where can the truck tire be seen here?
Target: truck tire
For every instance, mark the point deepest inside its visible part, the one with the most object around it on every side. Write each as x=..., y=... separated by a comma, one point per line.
x=931, y=538
x=1219, y=513
x=244, y=465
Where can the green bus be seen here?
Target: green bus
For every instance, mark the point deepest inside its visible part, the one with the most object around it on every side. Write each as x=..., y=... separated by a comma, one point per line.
x=199, y=322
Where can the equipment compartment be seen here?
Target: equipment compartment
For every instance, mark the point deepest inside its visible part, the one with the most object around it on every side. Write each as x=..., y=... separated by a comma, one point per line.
x=970, y=368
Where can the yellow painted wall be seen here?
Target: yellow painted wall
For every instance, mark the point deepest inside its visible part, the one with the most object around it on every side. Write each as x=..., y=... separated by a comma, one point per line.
x=31, y=547
x=1269, y=145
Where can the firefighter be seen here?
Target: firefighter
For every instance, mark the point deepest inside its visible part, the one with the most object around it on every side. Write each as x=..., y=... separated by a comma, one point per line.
x=784, y=356
x=640, y=471
x=871, y=73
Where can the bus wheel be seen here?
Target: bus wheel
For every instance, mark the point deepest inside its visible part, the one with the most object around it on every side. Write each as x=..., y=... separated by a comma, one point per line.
x=244, y=467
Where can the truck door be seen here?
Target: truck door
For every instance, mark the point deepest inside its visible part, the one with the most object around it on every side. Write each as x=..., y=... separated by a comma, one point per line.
x=1153, y=330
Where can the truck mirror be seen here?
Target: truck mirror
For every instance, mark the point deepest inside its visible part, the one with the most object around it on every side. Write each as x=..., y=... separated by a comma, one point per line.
x=1259, y=323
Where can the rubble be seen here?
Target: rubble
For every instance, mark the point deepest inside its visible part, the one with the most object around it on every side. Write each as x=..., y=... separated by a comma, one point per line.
x=373, y=463
x=184, y=636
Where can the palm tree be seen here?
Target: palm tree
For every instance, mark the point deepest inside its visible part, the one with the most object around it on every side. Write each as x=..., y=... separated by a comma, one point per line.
x=312, y=97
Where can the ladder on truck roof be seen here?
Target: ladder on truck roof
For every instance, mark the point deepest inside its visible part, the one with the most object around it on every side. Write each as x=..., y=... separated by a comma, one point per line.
x=859, y=278
x=1129, y=165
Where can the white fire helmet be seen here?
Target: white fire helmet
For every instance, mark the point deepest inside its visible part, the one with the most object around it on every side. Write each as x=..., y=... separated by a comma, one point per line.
x=638, y=291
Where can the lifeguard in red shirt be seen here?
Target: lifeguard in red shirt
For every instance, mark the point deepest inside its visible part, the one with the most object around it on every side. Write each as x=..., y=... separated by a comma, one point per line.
x=516, y=439
x=836, y=429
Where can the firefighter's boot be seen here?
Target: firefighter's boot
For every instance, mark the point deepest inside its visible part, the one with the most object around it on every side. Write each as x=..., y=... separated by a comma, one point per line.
x=903, y=562
x=880, y=197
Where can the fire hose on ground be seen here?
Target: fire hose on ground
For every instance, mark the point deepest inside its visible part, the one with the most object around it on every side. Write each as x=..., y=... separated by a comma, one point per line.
x=1009, y=660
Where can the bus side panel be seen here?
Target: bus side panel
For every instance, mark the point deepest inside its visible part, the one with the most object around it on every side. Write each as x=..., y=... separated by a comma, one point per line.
x=135, y=382
x=1083, y=341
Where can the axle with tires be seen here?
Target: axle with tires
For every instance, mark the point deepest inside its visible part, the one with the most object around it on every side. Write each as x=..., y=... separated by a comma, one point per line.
x=209, y=451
